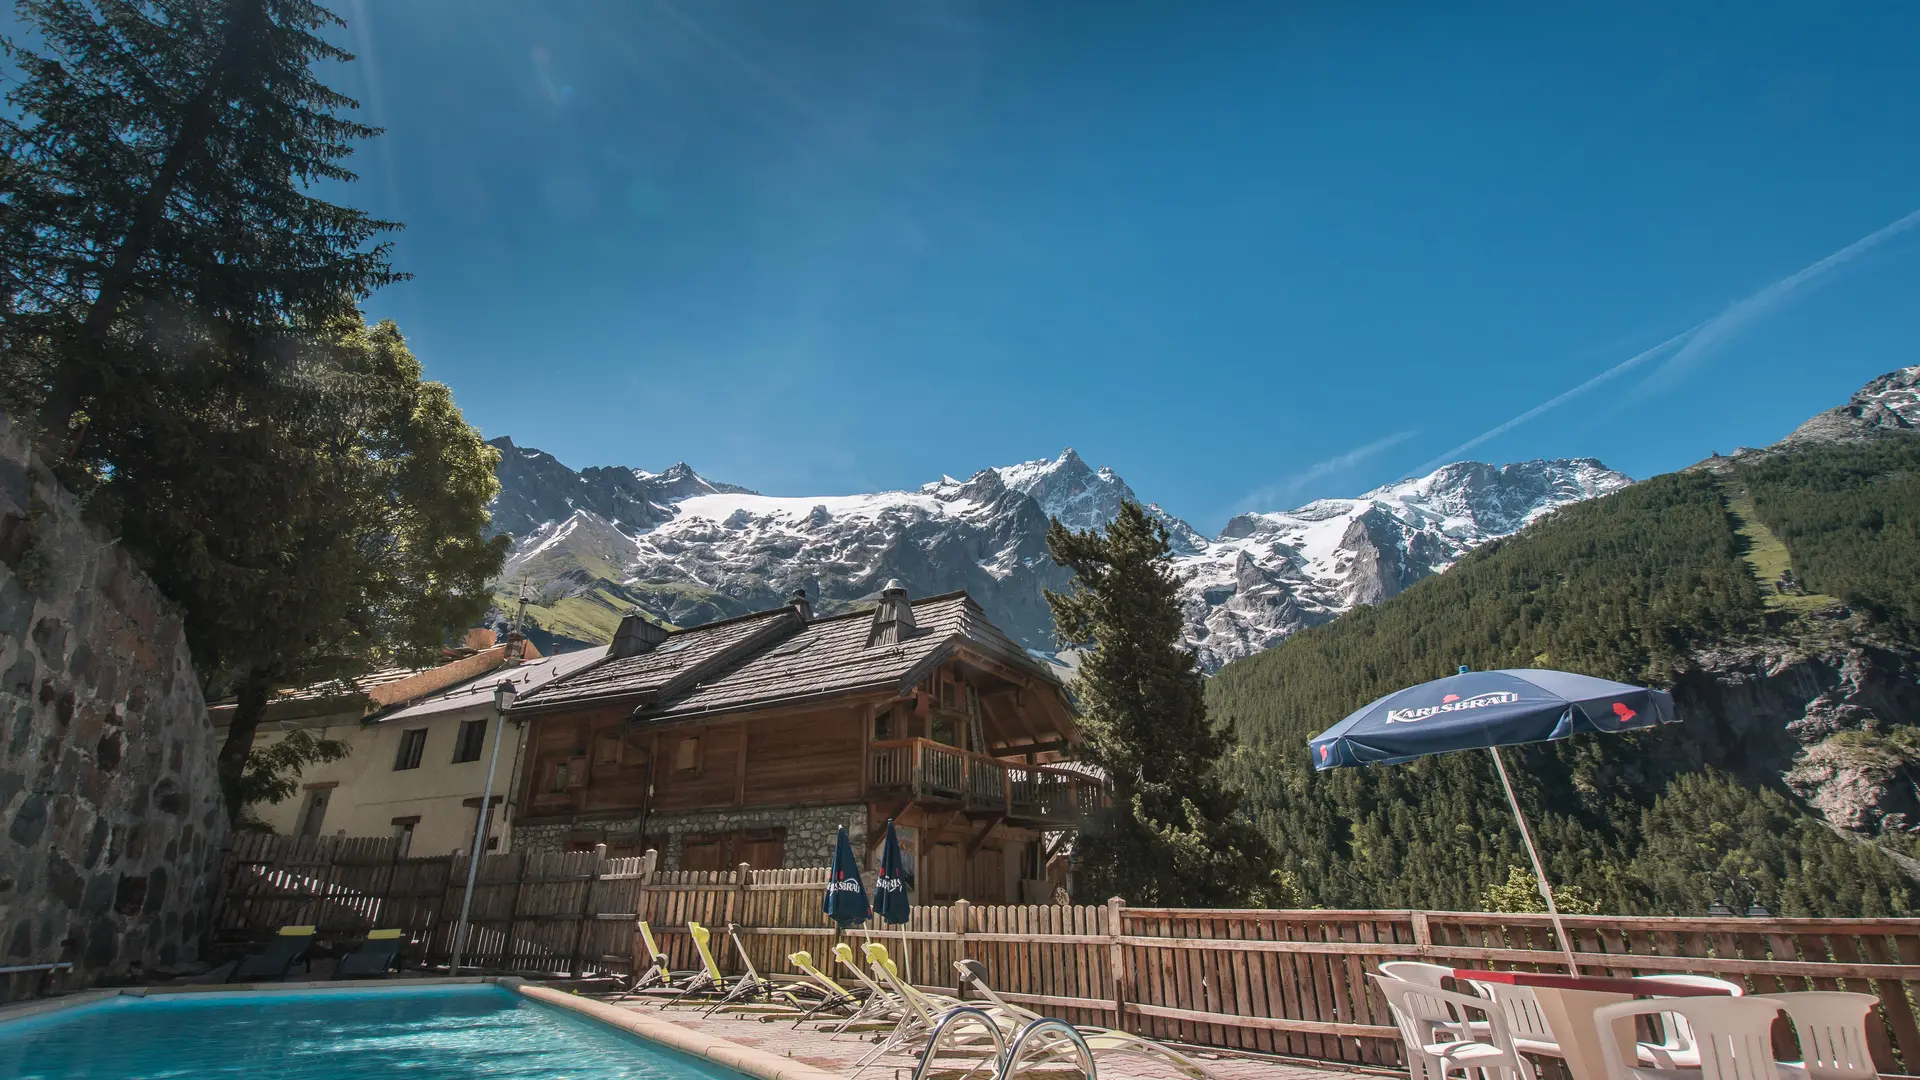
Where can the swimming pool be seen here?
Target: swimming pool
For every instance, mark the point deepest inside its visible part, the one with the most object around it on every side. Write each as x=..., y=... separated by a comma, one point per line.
x=418, y=1033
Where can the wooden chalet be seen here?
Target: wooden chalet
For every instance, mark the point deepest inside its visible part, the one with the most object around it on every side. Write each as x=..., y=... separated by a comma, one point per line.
x=753, y=739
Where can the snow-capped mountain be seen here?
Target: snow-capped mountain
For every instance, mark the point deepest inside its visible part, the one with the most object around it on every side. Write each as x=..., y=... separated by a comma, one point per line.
x=1270, y=574
x=1889, y=405
x=687, y=549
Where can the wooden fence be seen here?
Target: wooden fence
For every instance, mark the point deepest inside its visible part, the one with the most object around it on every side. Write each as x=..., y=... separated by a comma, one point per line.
x=1276, y=982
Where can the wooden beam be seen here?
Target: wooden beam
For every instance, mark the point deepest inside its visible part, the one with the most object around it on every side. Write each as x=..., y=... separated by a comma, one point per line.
x=974, y=844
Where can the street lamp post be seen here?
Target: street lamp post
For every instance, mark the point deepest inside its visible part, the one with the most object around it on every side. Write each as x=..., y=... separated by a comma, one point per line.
x=502, y=699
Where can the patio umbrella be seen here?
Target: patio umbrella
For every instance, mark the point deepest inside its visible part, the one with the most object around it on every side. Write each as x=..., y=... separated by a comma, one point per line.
x=846, y=899
x=1491, y=709
x=890, y=888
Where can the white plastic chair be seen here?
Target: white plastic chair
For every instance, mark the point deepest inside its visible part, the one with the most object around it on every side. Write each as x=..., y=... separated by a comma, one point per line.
x=1733, y=1036
x=1430, y=1022
x=1832, y=1026
x=1528, y=1025
x=1676, y=1049
x=1415, y=971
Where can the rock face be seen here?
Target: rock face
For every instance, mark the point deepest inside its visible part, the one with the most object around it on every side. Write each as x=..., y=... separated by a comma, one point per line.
x=1889, y=405
x=1817, y=712
x=107, y=774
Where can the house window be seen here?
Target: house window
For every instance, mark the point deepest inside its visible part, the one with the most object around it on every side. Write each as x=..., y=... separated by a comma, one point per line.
x=468, y=740
x=556, y=776
x=686, y=756
x=412, y=743
x=403, y=832
x=314, y=810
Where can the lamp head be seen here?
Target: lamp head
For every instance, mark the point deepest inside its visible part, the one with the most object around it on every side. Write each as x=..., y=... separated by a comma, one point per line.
x=503, y=694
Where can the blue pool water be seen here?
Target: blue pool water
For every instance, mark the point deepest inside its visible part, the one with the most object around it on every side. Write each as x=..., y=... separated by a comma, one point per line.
x=414, y=1033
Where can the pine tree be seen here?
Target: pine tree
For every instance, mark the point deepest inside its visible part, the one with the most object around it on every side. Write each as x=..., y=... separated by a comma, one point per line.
x=158, y=205
x=1174, y=834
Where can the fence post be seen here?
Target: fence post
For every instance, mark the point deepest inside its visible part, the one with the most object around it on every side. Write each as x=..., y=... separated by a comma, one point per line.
x=513, y=908
x=586, y=910
x=1422, y=932
x=642, y=900
x=737, y=903
x=961, y=909
x=1117, y=960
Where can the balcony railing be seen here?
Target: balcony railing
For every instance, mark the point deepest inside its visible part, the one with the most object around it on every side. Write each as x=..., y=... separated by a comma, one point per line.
x=923, y=768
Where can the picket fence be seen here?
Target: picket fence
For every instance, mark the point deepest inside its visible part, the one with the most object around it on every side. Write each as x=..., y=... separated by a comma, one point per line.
x=1289, y=983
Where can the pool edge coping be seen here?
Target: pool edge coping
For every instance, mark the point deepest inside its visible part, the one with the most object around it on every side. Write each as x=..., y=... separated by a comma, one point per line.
x=760, y=1064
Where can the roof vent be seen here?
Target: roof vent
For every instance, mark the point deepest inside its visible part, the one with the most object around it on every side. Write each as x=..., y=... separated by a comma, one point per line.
x=637, y=635
x=800, y=604
x=893, y=619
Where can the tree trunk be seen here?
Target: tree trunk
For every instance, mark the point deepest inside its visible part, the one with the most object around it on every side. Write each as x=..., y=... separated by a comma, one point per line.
x=252, y=705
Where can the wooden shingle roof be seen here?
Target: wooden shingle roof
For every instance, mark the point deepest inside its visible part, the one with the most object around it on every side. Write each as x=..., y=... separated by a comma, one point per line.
x=773, y=657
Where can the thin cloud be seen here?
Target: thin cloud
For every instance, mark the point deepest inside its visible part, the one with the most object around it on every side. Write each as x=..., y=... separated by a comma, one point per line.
x=1697, y=340
x=1265, y=497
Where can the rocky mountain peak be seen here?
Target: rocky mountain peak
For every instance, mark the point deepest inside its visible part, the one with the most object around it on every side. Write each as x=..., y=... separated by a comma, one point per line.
x=1888, y=405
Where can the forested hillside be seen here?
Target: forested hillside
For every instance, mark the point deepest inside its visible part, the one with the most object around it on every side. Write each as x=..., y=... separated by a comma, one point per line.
x=1653, y=585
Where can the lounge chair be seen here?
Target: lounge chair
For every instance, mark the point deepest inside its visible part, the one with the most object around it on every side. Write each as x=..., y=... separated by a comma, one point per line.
x=881, y=1004
x=1103, y=1042
x=752, y=986
x=833, y=995
x=377, y=955
x=923, y=1011
x=277, y=957
x=708, y=979
x=657, y=975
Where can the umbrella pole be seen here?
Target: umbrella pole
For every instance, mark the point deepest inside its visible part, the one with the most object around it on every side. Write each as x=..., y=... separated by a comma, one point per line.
x=1539, y=872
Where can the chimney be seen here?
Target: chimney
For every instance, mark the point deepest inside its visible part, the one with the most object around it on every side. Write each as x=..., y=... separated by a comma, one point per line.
x=637, y=635
x=480, y=639
x=799, y=602
x=893, y=619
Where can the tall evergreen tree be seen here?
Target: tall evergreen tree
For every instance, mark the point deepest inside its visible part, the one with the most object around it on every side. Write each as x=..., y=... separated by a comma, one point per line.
x=180, y=314
x=1174, y=834
x=159, y=206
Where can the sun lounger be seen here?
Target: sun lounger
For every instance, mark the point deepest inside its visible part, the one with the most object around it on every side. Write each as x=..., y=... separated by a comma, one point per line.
x=1101, y=1041
x=707, y=980
x=924, y=1011
x=881, y=1004
x=656, y=976
x=752, y=986
x=277, y=957
x=833, y=995
x=377, y=955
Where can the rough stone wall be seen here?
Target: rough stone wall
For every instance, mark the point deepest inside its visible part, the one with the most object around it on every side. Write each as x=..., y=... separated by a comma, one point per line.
x=811, y=830
x=108, y=790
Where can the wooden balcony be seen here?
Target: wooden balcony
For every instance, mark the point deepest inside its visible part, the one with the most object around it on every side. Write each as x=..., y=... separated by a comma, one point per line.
x=1025, y=794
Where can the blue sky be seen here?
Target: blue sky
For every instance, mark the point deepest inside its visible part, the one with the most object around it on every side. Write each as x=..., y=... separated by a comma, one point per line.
x=1247, y=255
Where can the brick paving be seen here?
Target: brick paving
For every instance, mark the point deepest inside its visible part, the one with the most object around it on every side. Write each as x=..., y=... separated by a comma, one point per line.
x=838, y=1054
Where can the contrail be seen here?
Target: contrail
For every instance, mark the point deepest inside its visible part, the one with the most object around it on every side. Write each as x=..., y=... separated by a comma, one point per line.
x=1697, y=339
x=1739, y=314
x=1255, y=499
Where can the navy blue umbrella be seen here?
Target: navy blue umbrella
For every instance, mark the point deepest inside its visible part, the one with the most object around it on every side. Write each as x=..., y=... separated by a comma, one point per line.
x=846, y=899
x=890, y=888
x=1487, y=710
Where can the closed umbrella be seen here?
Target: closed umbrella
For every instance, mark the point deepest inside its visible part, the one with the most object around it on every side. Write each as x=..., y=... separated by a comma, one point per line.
x=1491, y=709
x=890, y=900
x=846, y=899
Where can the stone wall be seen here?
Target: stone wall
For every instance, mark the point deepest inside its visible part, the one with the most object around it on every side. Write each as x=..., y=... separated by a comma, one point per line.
x=811, y=830
x=108, y=789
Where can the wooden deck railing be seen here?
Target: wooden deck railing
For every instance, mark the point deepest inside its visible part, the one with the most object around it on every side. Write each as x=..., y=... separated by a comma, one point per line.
x=926, y=768
x=1277, y=982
